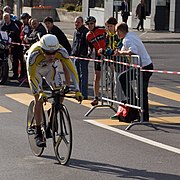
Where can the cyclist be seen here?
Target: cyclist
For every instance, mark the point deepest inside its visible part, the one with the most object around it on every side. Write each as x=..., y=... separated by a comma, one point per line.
x=96, y=40
x=41, y=63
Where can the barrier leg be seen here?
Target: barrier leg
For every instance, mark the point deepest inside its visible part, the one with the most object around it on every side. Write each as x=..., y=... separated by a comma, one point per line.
x=141, y=123
x=25, y=79
x=102, y=105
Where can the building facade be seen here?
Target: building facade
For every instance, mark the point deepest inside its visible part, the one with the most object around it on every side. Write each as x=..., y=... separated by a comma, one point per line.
x=161, y=14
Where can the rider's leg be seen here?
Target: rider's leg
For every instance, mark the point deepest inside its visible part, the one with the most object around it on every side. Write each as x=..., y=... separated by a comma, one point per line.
x=38, y=117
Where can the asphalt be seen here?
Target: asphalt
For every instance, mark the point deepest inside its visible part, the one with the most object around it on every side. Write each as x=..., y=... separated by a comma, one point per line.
x=147, y=36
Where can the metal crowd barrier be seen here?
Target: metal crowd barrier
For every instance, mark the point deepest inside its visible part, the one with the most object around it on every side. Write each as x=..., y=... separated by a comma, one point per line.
x=126, y=69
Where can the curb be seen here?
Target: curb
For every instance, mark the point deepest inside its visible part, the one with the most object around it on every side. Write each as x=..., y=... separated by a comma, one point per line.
x=160, y=42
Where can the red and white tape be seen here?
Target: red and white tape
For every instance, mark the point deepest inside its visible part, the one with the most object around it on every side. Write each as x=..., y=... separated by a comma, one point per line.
x=107, y=60
x=127, y=64
x=87, y=59
x=19, y=44
x=159, y=71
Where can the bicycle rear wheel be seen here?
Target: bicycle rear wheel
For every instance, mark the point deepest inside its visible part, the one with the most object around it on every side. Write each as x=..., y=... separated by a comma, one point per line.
x=31, y=124
x=62, y=135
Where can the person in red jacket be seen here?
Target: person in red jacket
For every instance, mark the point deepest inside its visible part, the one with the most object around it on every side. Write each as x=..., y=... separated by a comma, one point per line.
x=96, y=40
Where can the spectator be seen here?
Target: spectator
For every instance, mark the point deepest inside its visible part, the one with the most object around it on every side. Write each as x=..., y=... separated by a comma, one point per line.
x=125, y=11
x=80, y=49
x=25, y=28
x=8, y=9
x=141, y=14
x=38, y=30
x=13, y=32
x=96, y=40
x=29, y=22
x=53, y=29
x=112, y=43
x=24, y=33
x=1, y=19
x=133, y=45
x=112, y=40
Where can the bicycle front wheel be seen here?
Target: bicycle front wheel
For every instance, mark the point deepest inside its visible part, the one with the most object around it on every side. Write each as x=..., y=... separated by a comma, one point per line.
x=31, y=124
x=62, y=135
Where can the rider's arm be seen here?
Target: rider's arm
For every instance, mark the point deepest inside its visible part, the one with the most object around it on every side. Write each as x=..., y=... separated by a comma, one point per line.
x=31, y=70
x=64, y=57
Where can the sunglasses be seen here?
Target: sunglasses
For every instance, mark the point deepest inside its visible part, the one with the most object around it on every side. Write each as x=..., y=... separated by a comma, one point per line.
x=90, y=23
x=49, y=52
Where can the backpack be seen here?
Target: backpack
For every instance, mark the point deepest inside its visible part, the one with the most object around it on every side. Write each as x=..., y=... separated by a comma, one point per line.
x=127, y=114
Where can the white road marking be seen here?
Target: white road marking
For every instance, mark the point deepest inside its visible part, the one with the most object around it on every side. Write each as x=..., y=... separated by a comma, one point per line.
x=136, y=137
x=143, y=34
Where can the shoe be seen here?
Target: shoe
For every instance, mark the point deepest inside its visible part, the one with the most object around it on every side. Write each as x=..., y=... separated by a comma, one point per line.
x=115, y=116
x=40, y=141
x=94, y=102
x=13, y=78
x=142, y=29
x=66, y=89
x=136, y=28
x=85, y=98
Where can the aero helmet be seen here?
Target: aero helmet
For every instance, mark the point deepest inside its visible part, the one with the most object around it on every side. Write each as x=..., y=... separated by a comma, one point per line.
x=90, y=19
x=49, y=42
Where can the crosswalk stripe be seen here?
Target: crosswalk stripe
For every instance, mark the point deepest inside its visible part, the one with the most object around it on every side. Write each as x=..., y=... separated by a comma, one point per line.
x=164, y=93
x=25, y=99
x=157, y=120
x=4, y=110
x=22, y=98
x=173, y=119
x=154, y=103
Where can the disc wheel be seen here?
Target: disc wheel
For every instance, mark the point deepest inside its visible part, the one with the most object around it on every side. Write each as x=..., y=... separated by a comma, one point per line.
x=31, y=124
x=62, y=135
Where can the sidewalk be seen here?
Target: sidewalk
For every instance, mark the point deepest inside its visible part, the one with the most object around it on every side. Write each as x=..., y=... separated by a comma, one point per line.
x=147, y=36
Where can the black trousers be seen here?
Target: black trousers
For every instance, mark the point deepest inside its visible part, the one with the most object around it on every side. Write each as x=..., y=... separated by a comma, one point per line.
x=125, y=16
x=126, y=77
x=17, y=52
x=141, y=23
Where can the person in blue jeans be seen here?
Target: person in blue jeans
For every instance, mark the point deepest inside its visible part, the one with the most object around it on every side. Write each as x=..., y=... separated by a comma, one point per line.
x=80, y=49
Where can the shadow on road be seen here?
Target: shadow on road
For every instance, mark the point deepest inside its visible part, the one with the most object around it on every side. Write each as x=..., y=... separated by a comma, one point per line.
x=121, y=172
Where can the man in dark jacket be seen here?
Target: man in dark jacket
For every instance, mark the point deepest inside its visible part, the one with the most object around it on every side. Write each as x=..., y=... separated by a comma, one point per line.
x=53, y=29
x=141, y=14
x=80, y=49
x=125, y=11
x=38, y=30
x=14, y=33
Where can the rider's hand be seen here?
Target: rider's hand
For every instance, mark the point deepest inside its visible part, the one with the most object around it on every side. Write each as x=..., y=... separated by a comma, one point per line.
x=79, y=96
x=42, y=97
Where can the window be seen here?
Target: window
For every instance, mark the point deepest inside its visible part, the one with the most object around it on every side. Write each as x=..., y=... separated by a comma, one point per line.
x=148, y=7
x=99, y=3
